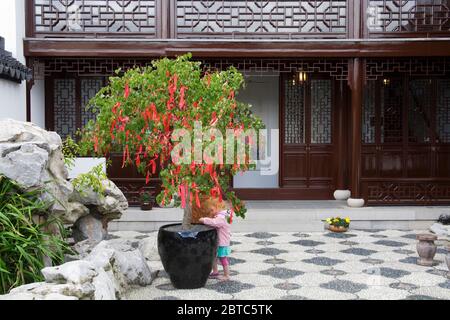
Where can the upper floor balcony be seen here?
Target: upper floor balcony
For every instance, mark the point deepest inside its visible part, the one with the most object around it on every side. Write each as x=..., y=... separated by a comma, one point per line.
x=238, y=19
x=237, y=28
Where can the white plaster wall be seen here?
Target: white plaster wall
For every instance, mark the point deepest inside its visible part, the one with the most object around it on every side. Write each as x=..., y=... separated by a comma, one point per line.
x=262, y=93
x=12, y=28
x=38, y=103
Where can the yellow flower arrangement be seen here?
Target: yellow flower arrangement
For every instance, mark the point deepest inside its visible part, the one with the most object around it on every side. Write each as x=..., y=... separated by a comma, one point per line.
x=339, y=222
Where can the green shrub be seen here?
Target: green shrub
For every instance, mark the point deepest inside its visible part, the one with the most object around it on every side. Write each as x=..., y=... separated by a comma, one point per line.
x=24, y=244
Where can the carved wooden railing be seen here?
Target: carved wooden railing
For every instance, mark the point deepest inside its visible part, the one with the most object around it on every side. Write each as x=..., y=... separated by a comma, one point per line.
x=238, y=19
x=261, y=19
x=95, y=18
x=395, y=18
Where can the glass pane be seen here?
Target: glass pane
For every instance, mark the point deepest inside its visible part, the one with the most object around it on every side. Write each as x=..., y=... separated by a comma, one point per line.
x=368, y=121
x=391, y=111
x=64, y=107
x=89, y=88
x=294, y=113
x=321, y=111
x=443, y=110
x=419, y=111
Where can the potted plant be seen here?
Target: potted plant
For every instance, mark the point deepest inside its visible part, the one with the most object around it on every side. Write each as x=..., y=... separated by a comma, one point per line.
x=337, y=224
x=147, y=201
x=178, y=116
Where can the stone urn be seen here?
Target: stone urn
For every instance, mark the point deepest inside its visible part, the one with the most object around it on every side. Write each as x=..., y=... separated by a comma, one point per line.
x=426, y=248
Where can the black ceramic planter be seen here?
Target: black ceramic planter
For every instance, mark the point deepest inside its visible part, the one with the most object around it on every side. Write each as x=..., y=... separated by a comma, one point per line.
x=187, y=256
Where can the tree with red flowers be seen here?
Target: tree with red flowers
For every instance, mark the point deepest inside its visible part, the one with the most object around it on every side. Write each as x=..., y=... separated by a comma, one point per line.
x=147, y=112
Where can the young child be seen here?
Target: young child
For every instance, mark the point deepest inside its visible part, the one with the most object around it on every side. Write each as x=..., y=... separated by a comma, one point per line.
x=219, y=219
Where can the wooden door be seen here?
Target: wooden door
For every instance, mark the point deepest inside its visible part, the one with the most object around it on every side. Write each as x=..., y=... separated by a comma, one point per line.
x=307, y=149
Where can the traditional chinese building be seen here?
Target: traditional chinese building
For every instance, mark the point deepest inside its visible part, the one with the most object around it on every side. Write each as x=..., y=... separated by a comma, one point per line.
x=359, y=89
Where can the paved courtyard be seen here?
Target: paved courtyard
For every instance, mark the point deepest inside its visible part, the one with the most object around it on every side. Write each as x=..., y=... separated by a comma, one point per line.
x=322, y=265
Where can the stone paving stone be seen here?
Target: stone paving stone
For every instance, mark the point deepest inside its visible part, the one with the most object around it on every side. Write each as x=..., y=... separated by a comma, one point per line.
x=403, y=251
x=287, y=286
x=323, y=261
x=379, y=236
x=349, y=243
x=435, y=292
x=403, y=286
x=261, y=235
x=318, y=293
x=369, y=279
x=420, y=297
x=269, y=251
x=307, y=243
x=260, y=294
x=372, y=261
x=387, y=272
x=438, y=272
x=167, y=298
x=305, y=267
x=359, y=251
x=228, y=287
x=411, y=236
x=292, y=297
x=248, y=256
x=312, y=279
x=340, y=235
x=390, y=243
x=235, y=261
x=445, y=285
x=381, y=293
x=301, y=235
x=285, y=238
x=423, y=279
x=333, y=272
x=275, y=261
x=281, y=272
x=200, y=294
x=353, y=266
x=252, y=267
x=256, y=279
x=344, y=286
x=265, y=243
x=315, y=251
x=388, y=256
x=294, y=256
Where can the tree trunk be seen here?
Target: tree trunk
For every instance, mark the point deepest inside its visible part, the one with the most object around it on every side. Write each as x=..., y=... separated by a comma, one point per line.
x=187, y=217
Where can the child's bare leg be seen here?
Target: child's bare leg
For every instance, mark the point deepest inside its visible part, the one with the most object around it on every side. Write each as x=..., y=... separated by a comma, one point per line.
x=215, y=266
x=226, y=269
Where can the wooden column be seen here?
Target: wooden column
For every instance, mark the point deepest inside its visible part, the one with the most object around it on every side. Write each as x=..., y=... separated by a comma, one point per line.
x=342, y=135
x=356, y=127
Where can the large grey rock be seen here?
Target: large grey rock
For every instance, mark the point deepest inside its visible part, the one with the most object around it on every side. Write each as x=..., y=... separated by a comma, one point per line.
x=76, y=272
x=41, y=291
x=126, y=260
x=33, y=158
x=105, y=273
x=91, y=228
x=440, y=230
x=111, y=204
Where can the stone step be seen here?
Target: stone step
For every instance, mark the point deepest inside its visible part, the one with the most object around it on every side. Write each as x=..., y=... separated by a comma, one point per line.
x=293, y=216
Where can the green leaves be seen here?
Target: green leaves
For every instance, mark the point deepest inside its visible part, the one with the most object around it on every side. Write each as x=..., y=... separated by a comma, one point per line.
x=23, y=242
x=141, y=109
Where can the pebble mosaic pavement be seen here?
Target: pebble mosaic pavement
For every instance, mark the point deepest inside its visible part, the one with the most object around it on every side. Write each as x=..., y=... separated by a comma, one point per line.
x=370, y=265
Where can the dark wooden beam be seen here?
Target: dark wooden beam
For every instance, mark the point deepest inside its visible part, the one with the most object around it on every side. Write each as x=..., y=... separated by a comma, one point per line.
x=356, y=85
x=35, y=47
